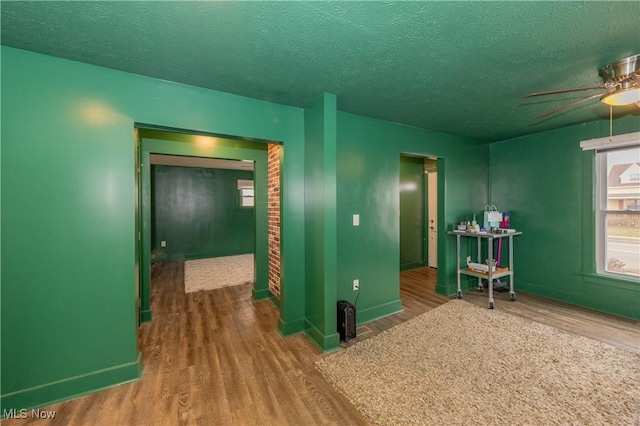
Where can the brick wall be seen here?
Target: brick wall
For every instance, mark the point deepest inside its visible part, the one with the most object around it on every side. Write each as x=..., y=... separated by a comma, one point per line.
x=273, y=200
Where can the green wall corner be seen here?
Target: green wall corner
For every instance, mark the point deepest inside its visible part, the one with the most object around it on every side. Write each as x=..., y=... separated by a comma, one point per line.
x=261, y=294
x=555, y=255
x=320, y=220
x=290, y=328
x=325, y=342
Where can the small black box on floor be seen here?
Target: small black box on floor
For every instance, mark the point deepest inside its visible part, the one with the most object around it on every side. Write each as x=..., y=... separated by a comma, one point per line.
x=346, y=320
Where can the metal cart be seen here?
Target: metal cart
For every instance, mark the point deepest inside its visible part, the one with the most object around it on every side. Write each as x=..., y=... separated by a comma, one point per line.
x=490, y=275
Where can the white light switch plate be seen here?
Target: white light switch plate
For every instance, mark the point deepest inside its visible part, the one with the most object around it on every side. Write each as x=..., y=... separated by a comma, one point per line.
x=356, y=220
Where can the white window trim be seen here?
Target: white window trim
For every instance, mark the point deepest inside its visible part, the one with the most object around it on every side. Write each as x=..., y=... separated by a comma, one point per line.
x=601, y=145
x=601, y=213
x=618, y=141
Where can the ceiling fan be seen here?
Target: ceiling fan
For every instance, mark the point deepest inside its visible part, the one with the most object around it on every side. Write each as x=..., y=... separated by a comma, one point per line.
x=621, y=84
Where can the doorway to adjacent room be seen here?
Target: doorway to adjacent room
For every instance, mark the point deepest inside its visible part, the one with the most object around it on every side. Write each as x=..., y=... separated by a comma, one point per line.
x=420, y=200
x=418, y=212
x=262, y=154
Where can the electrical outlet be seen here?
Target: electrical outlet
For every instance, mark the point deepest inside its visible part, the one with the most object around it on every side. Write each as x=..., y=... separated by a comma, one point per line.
x=356, y=285
x=163, y=243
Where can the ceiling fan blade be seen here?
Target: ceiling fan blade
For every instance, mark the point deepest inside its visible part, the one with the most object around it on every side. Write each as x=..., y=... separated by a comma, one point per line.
x=570, y=104
x=575, y=89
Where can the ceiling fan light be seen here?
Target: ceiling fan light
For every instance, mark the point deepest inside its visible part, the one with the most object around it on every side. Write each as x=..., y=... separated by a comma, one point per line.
x=622, y=97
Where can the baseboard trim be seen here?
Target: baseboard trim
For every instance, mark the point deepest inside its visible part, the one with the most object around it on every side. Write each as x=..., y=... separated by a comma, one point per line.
x=625, y=307
x=450, y=289
x=407, y=266
x=146, y=316
x=72, y=387
x=275, y=301
x=371, y=314
x=290, y=328
x=261, y=294
x=326, y=343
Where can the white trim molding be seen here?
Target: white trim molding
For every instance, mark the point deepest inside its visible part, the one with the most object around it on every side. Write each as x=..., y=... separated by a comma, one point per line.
x=617, y=141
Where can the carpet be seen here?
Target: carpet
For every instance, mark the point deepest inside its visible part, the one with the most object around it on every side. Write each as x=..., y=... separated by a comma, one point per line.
x=217, y=272
x=461, y=364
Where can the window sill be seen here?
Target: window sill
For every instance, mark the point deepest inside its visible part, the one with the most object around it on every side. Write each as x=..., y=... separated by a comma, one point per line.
x=611, y=281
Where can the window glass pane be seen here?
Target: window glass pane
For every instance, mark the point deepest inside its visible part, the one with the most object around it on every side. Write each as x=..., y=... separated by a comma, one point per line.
x=247, y=201
x=622, y=215
x=622, y=246
x=623, y=179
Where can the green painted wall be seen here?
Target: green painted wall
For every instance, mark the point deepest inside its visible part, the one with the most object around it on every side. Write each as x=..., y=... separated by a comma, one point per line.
x=197, y=212
x=546, y=182
x=68, y=215
x=69, y=225
x=320, y=229
x=368, y=185
x=412, y=212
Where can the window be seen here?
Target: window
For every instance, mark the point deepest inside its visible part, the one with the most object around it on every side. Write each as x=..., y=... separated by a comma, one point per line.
x=246, y=198
x=245, y=187
x=617, y=213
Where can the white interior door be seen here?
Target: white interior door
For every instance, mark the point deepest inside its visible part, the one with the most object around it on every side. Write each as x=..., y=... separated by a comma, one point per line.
x=432, y=212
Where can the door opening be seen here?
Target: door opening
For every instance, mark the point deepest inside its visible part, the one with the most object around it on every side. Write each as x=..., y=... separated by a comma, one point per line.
x=420, y=204
x=202, y=147
x=418, y=212
x=412, y=212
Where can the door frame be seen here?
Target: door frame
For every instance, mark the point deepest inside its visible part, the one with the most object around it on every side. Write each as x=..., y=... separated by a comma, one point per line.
x=161, y=140
x=428, y=218
x=440, y=168
x=421, y=192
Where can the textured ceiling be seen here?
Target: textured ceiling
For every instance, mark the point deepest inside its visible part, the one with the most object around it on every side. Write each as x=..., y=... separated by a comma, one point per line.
x=456, y=67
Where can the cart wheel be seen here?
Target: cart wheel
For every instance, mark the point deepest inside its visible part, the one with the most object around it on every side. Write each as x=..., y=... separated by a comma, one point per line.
x=513, y=297
x=490, y=305
x=459, y=294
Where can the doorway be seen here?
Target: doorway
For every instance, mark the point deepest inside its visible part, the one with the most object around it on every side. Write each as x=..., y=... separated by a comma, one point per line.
x=202, y=214
x=184, y=143
x=418, y=212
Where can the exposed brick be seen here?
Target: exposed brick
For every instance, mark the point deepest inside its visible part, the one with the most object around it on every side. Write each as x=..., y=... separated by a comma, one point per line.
x=273, y=203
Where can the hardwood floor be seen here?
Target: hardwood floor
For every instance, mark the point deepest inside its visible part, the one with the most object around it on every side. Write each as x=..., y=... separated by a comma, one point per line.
x=216, y=357
x=418, y=295
x=616, y=331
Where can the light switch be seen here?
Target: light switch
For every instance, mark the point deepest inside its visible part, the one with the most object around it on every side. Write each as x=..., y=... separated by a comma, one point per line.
x=163, y=243
x=356, y=220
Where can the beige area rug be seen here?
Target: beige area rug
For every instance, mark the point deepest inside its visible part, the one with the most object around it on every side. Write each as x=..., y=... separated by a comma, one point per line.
x=217, y=272
x=461, y=364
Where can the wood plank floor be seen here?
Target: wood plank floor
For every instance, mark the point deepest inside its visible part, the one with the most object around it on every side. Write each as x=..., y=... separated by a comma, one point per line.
x=216, y=358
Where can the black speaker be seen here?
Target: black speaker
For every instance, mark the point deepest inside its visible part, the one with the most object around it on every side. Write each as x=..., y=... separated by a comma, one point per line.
x=346, y=320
